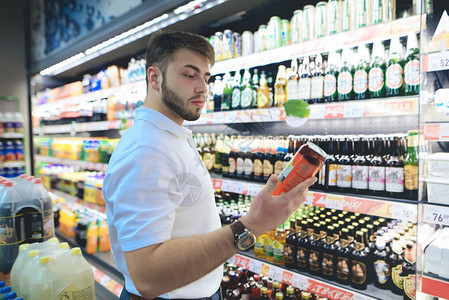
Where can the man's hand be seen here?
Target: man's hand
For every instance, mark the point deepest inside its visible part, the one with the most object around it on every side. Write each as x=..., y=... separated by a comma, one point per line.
x=268, y=211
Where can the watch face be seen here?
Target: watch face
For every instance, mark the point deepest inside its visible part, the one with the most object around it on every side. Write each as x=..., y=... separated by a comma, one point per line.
x=245, y=241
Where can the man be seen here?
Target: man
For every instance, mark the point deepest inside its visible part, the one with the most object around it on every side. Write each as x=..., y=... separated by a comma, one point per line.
x=165, y=231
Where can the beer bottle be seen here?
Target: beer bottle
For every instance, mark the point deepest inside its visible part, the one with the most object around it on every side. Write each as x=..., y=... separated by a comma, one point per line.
x=290, y=293
x=278, y=246
x=227, y=92
x=241, y=156
x=408, y=271
x=330, y=79
x=345, y=76
x=343, y=258
x=302, y=246
x=376, y=76
x=315, y=257
x=290, y=243
x=264, y=293
x=382, y=270
x=411, y=166
x=233, y=145
x=330, y=183
x=218, y=154
x=305, y=82
x=236, y=92
x=246, y=100
x=255, y=87
x=269, y=158
x=291, y=149
x=360, y=261
x=225, y=156
x=376, y=175
x=269, y=247
x=270, y=83
x=329, y=254
x=249, y=158
x=293, y=81
x=258, y=159
x=208, y=155
x=218, y=93
x=411, y=69
x=263, y=93
x=344, y=169
x=360, y=168
x=361, y=74
x=279, y=87
x=395, y=70
x=395, y=260
x=317, y=92
x=279, y=160
x=394, y=172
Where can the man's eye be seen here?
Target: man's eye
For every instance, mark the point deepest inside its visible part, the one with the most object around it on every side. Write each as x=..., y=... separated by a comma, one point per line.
x=190, y=76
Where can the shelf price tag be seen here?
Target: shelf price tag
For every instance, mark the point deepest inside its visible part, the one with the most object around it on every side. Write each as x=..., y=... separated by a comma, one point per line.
x=300, y=282
x=226, y=186
x=317, y=112
x=275, y=273
x=404, y=212
x=436, y=62
x=217, y=184
x=436, y=214
x=334, y=112
x=253, y=189
x=238, y=187
x=265, y=269
x=230, y=117
x=255, y=266
x=242, y=261
x=353, y=110
x=287, y=277
x=218, y=118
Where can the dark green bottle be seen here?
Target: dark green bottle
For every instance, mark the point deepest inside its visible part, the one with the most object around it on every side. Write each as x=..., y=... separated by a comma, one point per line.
x=376, y=75
x=394, y=76
x=227, y=92
x=255, y=84
x=411, y=69
x=361, y=74
x=330, y=78
x=236, y=92
x=270, y=83
x=345, y=77
x=246, y=96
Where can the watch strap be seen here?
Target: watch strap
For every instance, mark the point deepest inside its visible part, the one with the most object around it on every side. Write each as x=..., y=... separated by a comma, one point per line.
x=237, y=229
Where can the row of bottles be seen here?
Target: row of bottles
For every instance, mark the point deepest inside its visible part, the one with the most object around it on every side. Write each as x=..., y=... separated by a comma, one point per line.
x=239, y=283
x=349, y=248
x=383, y=166
x=7, y=293
x=345, y=76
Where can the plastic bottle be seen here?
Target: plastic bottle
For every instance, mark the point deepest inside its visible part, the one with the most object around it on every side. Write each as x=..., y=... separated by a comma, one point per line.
x=103, y=241
x=2, y=122
x=92, y=237
x=80, y=280
x=11, y=296
x=4, y=291
x=8, y=122
x=12, y=224
x=18, y=266
x=42, y=284
x=28, y=272
x=18, y=122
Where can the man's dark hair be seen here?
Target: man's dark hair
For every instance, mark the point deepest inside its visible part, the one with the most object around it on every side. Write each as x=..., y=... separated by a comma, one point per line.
x=163, y=45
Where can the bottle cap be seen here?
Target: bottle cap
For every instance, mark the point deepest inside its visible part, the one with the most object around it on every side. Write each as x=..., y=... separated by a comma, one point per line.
x=53, y=240
x=33, y=253
x=24, y=247
x=412, y=41
x=264, y=290
x=44, y=259
x=395, y=46
x=378, y=49
x=76, y=251
x=64, y=245
x=8, y=183
x=37, y=181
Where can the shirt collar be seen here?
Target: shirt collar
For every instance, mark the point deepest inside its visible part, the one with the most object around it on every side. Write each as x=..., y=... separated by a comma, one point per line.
x=161, y=121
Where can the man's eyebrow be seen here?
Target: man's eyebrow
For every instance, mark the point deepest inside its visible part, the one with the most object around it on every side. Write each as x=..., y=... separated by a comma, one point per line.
x=197, y=69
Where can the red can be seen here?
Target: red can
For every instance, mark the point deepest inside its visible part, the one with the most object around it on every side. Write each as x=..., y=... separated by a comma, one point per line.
x=306, y=163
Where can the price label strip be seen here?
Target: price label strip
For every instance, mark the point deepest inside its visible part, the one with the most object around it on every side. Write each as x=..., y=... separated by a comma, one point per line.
x=436, y=214
x=226, y=186
x=253, y=189
x=436, y=62
x=404, y=212
x=238, y=187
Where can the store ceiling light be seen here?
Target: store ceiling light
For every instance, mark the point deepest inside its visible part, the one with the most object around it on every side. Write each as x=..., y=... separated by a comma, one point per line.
x=167, y=19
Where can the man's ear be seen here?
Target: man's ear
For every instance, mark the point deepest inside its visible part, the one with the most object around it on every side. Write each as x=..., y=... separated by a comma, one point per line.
x=154, y=76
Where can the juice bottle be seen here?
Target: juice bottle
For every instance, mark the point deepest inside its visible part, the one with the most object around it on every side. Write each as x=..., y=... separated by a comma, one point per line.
x=279, y=243
x=263, y=93
x=259, y=250
x=103, y=242
x=92, y=238
x=269, y=240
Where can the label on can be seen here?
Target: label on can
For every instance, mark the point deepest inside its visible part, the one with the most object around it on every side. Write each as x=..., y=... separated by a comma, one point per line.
x=394, y=76
x=376, y=79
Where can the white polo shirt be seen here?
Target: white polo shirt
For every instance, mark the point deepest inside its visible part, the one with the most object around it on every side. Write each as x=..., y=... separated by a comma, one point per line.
x=157, y=188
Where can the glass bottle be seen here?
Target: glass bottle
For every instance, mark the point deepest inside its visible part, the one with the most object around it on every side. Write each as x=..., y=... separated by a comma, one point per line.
x=394, y=172
x=411, y=69
x=279, y=87
x=330, y=166
x=360, y=168
x=376, y=76
x=305, y=83
x=359, y=263
x=249, y=158
x=227, y=92
x=278, y=247
x=315, y=257
x=330, y=78
x=225, y=156
x=293, y=82
x=290, y=243
x=302, y=246
x=258, y=159
x=411, y=166
x=317, y=90
x=246, y=96
x=218, y=93
x=343, y=258
x=240, y=150
x=232, y=160
x=329, y=255
x=255, y=87
x=394, y=76
x=345, y=77
x=382, y=270
x=408, y=271
x=270, y=83
x=269, y=158
x=236, y=91
x=377, y=171
x=263, y=93
x=279, y=160
x=361, y=74
x=395, y=260
x=218, y=154
x=344, y=169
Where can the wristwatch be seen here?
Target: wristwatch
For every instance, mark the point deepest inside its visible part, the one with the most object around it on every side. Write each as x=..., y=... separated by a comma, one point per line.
x=244, y=239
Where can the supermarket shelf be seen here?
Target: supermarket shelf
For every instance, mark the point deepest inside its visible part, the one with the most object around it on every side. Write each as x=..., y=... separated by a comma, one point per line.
x=11, y=135
x=435, y=286
x=394, y=106
x=71, y=198
x=12, y=164
x=435, y=213
x=77, y=163
x=436, y=131
x=438, y=61
x=310, y=283
x=376, y=206
x=83, y=127
x=103, y=266
x=383, y=31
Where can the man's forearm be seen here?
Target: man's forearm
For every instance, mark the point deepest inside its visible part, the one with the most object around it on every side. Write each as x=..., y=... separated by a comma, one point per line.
x=178, y=262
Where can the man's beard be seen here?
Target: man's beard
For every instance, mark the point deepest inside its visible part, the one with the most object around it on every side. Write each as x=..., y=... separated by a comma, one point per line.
x=177, y=105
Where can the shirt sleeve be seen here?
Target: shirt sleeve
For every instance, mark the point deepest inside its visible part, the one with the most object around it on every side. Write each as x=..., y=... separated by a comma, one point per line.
x=141, y=191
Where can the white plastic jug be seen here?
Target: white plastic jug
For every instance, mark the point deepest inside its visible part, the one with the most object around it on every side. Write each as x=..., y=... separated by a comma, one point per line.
x=18, y=266
x=42, y=284
x=28, y=273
